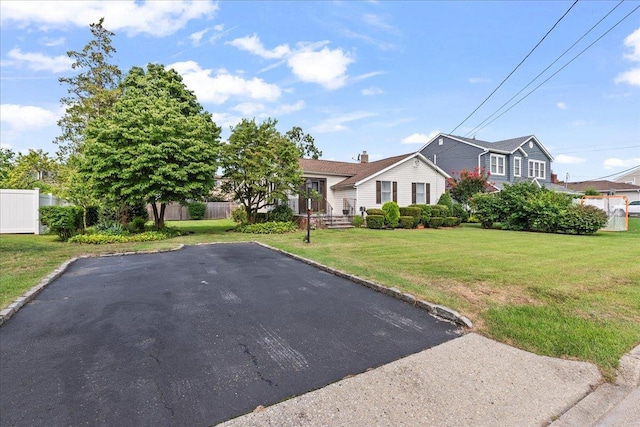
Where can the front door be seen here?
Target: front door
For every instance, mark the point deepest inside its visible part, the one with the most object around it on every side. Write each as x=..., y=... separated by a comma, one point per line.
x=319, y=186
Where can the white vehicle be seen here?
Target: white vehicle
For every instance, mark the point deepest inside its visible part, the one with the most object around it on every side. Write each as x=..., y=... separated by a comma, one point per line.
x=633, y=208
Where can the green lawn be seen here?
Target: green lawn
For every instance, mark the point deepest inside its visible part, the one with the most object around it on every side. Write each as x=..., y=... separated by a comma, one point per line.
x=566, y=296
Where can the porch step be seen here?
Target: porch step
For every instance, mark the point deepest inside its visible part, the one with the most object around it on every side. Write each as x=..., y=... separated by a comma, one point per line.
x=340, y=222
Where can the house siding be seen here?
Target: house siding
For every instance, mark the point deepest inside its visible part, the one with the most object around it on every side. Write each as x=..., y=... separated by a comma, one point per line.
x=404, y=174
x=535, y=153
x=452, y=155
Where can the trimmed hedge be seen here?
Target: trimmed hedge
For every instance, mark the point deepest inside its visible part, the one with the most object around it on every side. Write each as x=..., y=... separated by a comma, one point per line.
x=436, y=222
x=451, y=221
x=391, y=214
x=62, y=220
x=375, y=221
x=407, y=221
x=414, y=211
x=101, y=239
x=268, y=228
x=375, y=211
x=196, y=210
x=426, y=213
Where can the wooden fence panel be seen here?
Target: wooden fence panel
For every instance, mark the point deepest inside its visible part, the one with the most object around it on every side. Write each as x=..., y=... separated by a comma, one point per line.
x=215, y=210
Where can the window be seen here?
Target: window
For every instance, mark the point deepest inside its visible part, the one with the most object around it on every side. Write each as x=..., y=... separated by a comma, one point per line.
x=497, y=164
x=419, y=193
x=537, y=169
x=386, y=191
x=517, y=166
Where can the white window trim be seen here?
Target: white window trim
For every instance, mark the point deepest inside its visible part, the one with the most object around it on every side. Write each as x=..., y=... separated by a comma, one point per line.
x=542, y=169
x=499, y=158
x=382, y=192
x=517, y=160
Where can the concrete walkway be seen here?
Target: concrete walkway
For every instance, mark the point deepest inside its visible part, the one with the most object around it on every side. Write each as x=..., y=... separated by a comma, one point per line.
x=469, y=381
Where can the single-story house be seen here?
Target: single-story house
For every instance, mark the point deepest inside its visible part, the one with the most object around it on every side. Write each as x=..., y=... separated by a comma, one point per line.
x=346, y=188
x=607, y=188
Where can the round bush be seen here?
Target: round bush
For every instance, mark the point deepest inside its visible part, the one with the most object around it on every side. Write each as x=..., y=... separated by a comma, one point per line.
x=281, y=213
x=357, y=221
x=406, y=221
x=375, y=221
x=196, y=210
x=391, y=214
x=436, y=222
x=239, y=215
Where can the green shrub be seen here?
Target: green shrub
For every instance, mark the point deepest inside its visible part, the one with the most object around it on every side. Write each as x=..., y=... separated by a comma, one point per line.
x=102, y=239
x=391, y=214
x=439, y=210
x=92, y=215
x=62, y=220
x=445, y=200
x=239, y=215
x=268, y=228
x=196, y=210
x=436, y=221
x=281, y=213
x=459, y=211
x=375, y=211
x=110, y=227
x=407, y=221
x=375, y=221
x=137, y=225
x=426, y=213
x=582, y=219
x=451, y=221
x=262, y=217
x=357, y=221
x=414, y=211
x=485, y=209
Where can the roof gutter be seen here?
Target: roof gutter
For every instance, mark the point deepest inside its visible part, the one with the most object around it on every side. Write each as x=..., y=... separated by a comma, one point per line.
x=480, y=155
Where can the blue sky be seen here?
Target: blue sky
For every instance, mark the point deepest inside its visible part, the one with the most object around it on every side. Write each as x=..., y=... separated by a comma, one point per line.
x=376, y=76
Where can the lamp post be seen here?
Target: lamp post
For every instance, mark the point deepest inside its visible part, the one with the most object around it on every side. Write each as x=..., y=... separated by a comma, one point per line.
x=308, y=185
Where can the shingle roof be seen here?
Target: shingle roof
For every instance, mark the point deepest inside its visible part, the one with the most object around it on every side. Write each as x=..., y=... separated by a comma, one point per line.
x=601, y=185
x=354, y=171
x=508, y=145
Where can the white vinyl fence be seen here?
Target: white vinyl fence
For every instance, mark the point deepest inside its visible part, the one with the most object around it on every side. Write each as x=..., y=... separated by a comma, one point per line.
x=19, y=210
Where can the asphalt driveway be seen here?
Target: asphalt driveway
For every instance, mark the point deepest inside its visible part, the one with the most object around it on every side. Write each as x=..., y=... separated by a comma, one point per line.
x=194, y=337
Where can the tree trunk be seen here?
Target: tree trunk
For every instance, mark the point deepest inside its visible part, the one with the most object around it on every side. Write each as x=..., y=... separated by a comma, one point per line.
x=156, y=220
x=161, y=218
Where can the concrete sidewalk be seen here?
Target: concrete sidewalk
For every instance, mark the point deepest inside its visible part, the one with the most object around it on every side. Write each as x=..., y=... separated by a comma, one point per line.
x=469, y=381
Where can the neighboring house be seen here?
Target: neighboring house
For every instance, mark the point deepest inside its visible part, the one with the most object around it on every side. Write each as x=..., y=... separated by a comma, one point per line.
x=347, y=187
x=607, y=188
x=508, y=161
x=631, y=177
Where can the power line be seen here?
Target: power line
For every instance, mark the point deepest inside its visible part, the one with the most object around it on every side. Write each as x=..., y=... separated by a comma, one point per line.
x=561, y=68
x=514, y=70
x=617, y=173
x=543, y=71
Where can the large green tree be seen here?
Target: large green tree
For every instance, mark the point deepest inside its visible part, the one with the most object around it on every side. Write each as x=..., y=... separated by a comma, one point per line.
x=91, y=92
x=33, y=170
x=156, y=143
x=260, y=165
x=6, y=163
x=304, y=141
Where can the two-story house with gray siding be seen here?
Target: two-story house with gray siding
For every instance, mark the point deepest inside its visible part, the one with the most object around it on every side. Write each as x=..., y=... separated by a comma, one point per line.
x=508, y=161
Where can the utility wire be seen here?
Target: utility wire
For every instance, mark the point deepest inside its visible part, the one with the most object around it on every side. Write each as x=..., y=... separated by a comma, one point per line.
x=617, y=173
x=561, y=68
x=514, y=70
x=543, y=71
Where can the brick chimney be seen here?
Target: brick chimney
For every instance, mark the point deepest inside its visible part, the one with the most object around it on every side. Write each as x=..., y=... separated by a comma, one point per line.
x=364, y=157
x=554, y=178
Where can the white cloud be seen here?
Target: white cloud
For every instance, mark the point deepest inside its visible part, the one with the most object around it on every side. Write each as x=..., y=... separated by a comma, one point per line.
x=562, y=105
x=614, y=163
x=252, y=44
x=52, y=42
x=220, y=87
x=224, y=120
x=156, y=18
x=283, y=109
x=370, y=91
x=39, y=61
x=419, y=138
x=336, y=124
x=476, y=80
x=197, y=37
x=326, y=67
x=568, y=160
x=27, y=117
x=378, y=22
x=631, y=76
x=248, y=108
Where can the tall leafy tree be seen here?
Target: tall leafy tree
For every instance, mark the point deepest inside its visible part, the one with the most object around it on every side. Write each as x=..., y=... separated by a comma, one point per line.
x=6, y=163
x=260, y=165
x=33, y=170
x=156, y=143
x=91, y=92
x=305, y=143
